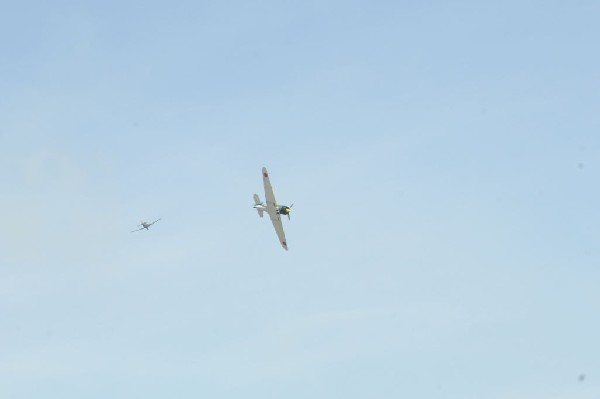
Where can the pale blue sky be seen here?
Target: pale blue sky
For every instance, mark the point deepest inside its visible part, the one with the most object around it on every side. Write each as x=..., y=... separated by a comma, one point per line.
x=443, y=162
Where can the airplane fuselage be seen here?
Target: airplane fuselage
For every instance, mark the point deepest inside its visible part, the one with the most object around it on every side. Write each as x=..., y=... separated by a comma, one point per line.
x=280, y=210
x=145, y=225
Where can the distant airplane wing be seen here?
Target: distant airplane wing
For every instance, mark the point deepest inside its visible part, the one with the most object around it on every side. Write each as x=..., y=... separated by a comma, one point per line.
x=154, y=222
x=276, y=219
x=272, y=209
x=269, y=196
x=133, y=231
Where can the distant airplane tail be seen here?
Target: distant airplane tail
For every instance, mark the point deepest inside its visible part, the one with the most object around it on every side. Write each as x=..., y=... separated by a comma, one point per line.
x=258, y=202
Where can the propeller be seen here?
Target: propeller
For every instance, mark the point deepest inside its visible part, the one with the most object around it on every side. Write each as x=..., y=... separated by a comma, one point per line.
x=288, y=215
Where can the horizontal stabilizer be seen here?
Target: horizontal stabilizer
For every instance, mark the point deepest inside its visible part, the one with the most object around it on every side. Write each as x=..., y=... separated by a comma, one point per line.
x=260, y=212
x=257, y=200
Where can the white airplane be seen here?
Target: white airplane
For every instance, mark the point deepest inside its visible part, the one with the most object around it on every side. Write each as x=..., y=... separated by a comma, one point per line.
x=275, y=211
x=144, y=225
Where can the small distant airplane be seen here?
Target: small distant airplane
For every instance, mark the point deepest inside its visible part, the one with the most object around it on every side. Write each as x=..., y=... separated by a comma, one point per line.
x=144, y=225
x=272, y=208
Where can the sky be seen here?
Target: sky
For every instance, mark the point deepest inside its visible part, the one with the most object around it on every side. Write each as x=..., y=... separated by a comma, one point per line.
x=442, y=159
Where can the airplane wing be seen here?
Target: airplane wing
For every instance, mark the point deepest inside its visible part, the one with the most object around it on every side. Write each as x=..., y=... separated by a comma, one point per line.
x=133, y=231
x=272, y=209
x=154, y=222
x=269, y=196
x=276, y=219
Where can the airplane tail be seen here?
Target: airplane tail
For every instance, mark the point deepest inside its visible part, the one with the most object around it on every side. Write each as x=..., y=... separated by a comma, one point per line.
x=257, y=201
